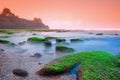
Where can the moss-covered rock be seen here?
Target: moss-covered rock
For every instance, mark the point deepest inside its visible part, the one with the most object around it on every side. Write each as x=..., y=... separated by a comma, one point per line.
x=60, y=40
x=98, y=65
x=56, y=38
x=118, y=60
x=95, y=65
x=36, y=39
x=50, y=37
x=76, y=39
x=64, y=49
x=6, y=31
x=60, y=65
x=47, y=43
x=4, y=41
x=9, y=33
x=4, y=36
x=7, y=42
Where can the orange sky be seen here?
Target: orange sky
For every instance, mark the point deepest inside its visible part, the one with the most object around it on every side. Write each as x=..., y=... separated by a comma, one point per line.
x=69, y=14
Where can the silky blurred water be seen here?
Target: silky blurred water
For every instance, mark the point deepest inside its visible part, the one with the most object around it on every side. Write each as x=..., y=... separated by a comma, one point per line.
x=90, y=42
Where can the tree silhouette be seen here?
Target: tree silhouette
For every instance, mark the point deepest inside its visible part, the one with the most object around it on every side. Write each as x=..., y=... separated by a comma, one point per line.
x=37, y=20
x=7, y=12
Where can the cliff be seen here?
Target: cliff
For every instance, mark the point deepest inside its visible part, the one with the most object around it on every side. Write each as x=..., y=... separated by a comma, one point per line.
x=9, y=20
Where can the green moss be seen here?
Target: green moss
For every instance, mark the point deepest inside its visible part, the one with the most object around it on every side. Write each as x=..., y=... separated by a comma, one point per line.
x=50, y=37
x=4, y=41
x=9, y=33
x=64, y=64
x=60, y=40
x=118, y=60
x=36, y=39
x=4, y=36
x=98, y=65
x=6, y=31
x=95, y=65
x=7, y=42
x=76, y=39
x=57, y=39
x=47, y=43
x=64, y=49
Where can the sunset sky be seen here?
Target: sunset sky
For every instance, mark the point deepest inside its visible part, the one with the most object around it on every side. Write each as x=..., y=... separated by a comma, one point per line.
x=69, y=14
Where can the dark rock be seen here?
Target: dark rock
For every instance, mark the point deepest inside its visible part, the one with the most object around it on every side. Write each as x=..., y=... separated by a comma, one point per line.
x=2, y=49
x=99, y=34
x=118, y=75
x=60, y=40
x=36, y=55
x=48, y=43
x=20, y=72
x=39, y=63
x=116, y=34
x=76, y=39
x=21, y=43
x=34, y=34
x=90, y=33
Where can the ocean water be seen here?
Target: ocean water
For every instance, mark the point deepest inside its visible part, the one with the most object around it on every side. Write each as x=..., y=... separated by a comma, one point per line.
x=104, y=42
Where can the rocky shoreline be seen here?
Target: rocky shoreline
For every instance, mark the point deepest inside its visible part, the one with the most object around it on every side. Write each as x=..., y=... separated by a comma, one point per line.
x=11, y=61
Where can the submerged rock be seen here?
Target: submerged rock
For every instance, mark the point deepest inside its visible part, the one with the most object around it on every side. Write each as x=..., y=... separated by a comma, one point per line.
x=118, y=75
x=48, y=43
x=39, y=63
x=34, y=34
x=20, y=72
x=64, y=49
x=99, y=34
x=60, y=40
x=116, y=34
x=21, y=43
x=2, y=50
x=76, y=39
x=36, y=55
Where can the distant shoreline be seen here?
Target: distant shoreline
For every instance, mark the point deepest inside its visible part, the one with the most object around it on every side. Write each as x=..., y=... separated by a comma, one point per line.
x=57, y=30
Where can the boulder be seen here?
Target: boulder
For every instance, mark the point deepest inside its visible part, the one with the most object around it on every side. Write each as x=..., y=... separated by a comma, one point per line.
x=20, y=72
x=36, y=55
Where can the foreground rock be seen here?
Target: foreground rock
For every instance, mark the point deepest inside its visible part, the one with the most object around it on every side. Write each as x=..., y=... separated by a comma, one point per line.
x=79, y=72
x=60, y=65
x=20, y=72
